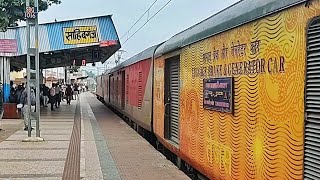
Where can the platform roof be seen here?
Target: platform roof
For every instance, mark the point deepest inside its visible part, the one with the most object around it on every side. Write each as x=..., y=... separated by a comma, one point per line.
x=62, y=42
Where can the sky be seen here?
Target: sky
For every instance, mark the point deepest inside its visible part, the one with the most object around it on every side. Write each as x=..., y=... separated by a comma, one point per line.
x=174, y=18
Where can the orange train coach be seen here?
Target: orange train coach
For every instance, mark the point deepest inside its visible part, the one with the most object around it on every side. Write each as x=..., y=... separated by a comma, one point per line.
x=236, y=96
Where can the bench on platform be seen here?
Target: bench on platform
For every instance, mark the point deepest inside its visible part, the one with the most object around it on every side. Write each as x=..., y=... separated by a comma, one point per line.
x=10, y=111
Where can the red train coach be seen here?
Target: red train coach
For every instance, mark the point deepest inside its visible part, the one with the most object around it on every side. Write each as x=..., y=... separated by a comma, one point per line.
x=99, y=89
x=128, y=88
x=106, y=87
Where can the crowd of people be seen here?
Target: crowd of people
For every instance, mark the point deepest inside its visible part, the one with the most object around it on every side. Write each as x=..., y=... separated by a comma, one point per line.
x=53, y=96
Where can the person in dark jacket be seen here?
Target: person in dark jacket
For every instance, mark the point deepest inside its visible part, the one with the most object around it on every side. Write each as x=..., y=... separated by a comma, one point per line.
x=52, y=96
x=45, y=94
x=69, y=94
x=18, y=93
x=76, y=91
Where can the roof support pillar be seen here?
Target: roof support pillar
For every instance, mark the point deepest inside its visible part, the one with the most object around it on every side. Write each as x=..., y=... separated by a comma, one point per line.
x=5, y=77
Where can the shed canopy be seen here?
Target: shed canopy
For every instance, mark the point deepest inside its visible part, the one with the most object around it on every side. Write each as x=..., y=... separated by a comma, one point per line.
x=65, y=43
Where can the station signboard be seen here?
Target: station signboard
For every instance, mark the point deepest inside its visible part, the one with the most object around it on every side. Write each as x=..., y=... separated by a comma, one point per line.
x=218, y=94
x=80, y=35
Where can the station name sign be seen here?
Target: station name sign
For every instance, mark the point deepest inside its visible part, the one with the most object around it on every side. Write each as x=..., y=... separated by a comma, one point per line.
x=218, y=94
x=80, y=35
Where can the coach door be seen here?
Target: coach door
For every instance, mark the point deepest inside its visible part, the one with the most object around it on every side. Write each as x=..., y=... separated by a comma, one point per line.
x=102, y=85
x=312, y=114
x=172, y=90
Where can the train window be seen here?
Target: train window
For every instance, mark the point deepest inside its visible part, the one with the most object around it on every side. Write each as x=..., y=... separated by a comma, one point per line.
x=117, y=87
x=140, y=91
x=112, y=89
x=127, y=90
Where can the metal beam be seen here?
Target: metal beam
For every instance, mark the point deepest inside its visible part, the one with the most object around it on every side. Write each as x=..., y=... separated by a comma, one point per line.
x=28, y=72
x=37, y=73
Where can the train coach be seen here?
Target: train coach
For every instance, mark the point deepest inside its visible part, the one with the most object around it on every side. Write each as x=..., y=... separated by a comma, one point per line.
x=100, y=87
x=235, y=96
x=128, y=89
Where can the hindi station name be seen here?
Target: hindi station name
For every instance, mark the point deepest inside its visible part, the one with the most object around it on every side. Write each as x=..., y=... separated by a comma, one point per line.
x=238, y=51
x=81, y=35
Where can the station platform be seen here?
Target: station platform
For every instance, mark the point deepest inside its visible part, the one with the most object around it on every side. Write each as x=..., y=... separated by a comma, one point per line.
x=84, y=140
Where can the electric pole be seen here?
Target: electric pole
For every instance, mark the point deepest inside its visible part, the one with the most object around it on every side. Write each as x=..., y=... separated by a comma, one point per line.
x=118, y=56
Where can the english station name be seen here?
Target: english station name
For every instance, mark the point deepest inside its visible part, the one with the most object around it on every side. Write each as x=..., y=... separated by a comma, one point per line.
x=272, y=65
x=258, y=66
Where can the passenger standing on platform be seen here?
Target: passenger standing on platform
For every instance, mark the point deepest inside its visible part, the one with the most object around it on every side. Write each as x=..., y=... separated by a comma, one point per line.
x=69, y=94
x=41, y=95
x=60, y=95
x=83, y=88
x=25, y=107
x=52, y=96
x=76, y=91
x=12, y=97
x=45, y=94
x=11, y=87
x=63, y=89
x=18, y=93
x=57, y=90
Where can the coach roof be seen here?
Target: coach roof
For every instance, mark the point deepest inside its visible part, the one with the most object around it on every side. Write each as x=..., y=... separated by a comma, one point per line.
x=235, y=15
x=146, y=54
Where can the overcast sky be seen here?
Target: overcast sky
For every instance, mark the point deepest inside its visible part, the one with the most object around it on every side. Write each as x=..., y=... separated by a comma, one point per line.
x=177, y=16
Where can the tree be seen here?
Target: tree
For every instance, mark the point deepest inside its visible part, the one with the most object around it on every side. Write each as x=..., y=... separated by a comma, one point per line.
x=12, y=11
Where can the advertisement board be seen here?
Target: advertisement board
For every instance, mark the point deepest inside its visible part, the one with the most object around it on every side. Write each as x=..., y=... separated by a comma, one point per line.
x=8, y=46
x=108, y=43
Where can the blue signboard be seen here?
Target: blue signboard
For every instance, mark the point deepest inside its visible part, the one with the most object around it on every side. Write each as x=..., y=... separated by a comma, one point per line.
x=218, y=94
